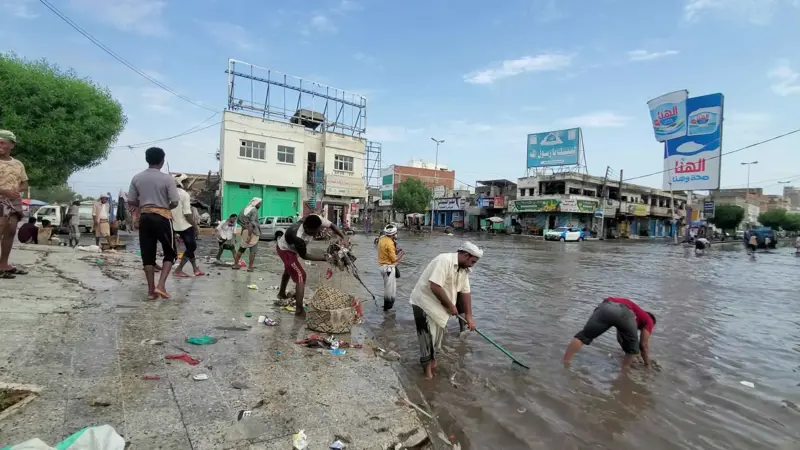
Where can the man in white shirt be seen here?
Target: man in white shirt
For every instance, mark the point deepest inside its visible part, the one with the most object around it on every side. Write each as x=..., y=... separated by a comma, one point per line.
x=226, y=236
x=294, y=243
x=183, y=222
x=102, y=228
x=442, y=284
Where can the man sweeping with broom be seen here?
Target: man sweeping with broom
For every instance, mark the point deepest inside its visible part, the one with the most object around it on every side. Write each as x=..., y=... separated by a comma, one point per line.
x=434, y=300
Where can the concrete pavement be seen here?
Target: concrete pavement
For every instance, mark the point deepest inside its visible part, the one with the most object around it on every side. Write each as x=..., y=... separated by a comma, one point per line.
x=75, y=324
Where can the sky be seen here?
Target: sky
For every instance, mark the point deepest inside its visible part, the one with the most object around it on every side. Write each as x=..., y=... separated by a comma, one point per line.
x=480, y=75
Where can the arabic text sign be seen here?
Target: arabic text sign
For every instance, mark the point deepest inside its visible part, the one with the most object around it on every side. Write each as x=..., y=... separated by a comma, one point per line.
x=549, y=205
x=450, y=204
x=668, y=114
x=345, y=186
x=578, y=206
x=554, y=148
x=692, y=162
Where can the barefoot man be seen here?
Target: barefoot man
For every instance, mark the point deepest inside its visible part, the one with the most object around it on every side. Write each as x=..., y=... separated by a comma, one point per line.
x=155, y=194
x=433, y=300
x=185, y=225
x=294, y=243
x=13, y=180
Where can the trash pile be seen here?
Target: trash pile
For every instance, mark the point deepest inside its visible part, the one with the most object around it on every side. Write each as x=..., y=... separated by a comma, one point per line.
x=329, y=342
x=332, y=311
x=340, y=257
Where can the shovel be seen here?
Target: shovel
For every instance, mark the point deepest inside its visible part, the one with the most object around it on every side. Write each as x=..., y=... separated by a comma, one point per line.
x=515, y=361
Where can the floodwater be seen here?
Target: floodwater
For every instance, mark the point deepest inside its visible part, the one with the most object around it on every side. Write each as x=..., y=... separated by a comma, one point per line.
x=721, y=319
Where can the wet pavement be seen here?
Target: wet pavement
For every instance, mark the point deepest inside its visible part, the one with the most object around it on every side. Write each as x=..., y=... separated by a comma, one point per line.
x=722, y=319
x=75, y=327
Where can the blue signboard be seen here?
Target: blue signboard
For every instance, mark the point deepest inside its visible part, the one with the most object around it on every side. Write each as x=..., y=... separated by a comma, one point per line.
x=668, y=114
x=692, y=162
x=554, y=148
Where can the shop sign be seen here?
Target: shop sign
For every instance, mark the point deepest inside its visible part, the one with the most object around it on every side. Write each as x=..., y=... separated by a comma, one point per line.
x=450, y=204
x=548, y=205
x=578, y=206
x=345, y=186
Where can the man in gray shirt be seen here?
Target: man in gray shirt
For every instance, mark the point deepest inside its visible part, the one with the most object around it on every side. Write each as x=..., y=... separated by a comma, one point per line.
x=74, y=224
x=154, y=193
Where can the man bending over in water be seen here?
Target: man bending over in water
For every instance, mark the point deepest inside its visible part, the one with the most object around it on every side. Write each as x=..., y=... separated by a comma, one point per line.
x=628, y=318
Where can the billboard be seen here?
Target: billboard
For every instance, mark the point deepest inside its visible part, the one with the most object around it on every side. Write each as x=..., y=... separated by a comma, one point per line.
x=450, y=204
x=692, y=162
x=345, y=186
x=554, y=148
x=668, y=114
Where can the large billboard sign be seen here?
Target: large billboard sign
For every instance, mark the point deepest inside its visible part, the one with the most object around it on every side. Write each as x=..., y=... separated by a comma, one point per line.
x=554, y=148
x=692, y=162
x=668, y=114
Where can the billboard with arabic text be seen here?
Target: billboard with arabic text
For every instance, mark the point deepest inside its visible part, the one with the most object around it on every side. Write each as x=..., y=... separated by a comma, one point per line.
x=554, y=148
x=668, y=114
x=692, y=162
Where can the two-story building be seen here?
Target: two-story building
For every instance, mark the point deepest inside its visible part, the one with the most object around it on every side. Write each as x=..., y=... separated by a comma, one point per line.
x=596, y=205
x=295, y=166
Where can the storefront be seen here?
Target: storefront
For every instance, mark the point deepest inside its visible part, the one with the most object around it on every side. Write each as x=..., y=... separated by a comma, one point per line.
x=537, y=215
x=449, y=212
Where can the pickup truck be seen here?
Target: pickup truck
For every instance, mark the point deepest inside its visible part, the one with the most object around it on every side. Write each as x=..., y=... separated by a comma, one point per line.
x=57, y=213
x=273, y=227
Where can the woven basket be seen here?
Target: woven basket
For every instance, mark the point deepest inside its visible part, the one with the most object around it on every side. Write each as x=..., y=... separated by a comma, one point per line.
x=331, y=311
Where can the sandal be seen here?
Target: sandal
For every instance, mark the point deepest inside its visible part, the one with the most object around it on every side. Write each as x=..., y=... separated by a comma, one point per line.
x=17, y=271
x=177, y=274
x=161, y=293
x=199, y=273
x=6, y=275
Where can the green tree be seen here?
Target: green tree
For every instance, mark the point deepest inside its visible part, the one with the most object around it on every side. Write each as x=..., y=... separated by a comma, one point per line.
x=61, y=194
x=411, y=196
x=727, y=217
x=63, y=123
x=773, y=219
x=791, y=222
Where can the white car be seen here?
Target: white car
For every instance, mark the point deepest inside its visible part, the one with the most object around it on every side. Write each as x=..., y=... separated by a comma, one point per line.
x=273, y=227
x=564, y=234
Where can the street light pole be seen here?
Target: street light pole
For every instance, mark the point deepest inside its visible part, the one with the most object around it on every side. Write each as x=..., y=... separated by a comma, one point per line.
x=747, y=193
x=435, y=179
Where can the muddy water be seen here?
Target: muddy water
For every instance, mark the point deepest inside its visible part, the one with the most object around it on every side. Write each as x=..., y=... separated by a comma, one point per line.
x=722, y=319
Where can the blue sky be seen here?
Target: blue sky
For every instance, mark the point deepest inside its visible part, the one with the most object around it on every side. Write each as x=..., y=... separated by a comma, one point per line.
x=481, y=75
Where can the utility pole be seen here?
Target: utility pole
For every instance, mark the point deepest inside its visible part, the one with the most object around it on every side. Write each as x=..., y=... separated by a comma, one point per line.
x=620, y=196
x=604, y=203
x=747, y=193
x=435, y=179
x=672, y=214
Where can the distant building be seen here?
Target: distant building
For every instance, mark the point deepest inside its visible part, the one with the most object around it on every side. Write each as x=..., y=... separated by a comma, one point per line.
x=441, y=182
x=792, y=195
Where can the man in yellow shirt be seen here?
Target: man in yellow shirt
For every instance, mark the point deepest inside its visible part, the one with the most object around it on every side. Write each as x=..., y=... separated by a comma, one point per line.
x=388, y=257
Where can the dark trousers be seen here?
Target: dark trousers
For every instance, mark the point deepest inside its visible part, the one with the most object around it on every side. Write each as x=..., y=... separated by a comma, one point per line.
x=190, y=241
x=155, y=229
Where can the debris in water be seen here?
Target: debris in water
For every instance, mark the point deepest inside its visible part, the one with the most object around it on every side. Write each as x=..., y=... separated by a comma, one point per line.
x=521, y=410
x=201, y=340
x=453, y=380
x=248, y=314
x=151, y=377
x=267, y=321
x=100, y=402
x=259, y=404
x=299, y=440
x=338, y=351
x=200, y=377
x=336, y=445
x=151, y=342
x=184, y=357
x=747, y=383
x=252, y=286
x=243, y=413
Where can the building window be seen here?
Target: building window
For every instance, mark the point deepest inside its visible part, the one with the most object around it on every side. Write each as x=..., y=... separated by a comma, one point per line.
x=522, y=192
x=343, y=163
x=286, y=154
x=253, y=149
x=532, y=192
x=575, y=191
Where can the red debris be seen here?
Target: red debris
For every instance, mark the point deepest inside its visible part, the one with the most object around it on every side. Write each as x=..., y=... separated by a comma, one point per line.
x=185, y=357
x=151, y=377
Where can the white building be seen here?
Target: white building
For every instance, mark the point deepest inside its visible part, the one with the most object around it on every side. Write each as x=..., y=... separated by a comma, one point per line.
x=292, y=167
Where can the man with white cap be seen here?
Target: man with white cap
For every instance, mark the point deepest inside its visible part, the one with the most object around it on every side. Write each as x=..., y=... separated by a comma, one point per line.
x=441, y=285
x=100, y=216
x=13, y=180
x=185, y=226
x=388, y=257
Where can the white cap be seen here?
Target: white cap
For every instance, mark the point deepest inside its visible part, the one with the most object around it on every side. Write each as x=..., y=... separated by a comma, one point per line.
x=471, y=248
x=390, y=230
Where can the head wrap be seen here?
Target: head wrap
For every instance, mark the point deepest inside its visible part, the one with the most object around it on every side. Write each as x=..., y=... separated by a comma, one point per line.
x=390, y=230
x=179, y=179
x=8, y=136
x=471, y=248
x=104, y=196
x=255, y=201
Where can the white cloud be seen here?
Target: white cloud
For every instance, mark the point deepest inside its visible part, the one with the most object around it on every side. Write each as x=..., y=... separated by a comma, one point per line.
x=539, y=63
x=137, y=16
x=601, y=119
x=785, y=81
x=20, y=9
x=321, y=24
x=157, y=100
x=757, y=12
x=345, y=6
x=367, y=60
x=644, y=55
x=227, y=33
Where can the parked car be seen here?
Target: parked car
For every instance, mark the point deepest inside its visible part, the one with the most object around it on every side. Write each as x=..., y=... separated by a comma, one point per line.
x=57, y=213
x=565, y=234
x=273, y=227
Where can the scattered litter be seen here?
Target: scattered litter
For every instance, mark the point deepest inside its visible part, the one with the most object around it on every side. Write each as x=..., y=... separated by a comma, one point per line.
x=184, y=357
x=328, y=273
x=100, y=402
x=241, y=264
x=521, y=410
x=308, y=263
x=151, y=377
x=453, y=380
x=277, y=352
x=260, y=279
x=151, y=342
x=259, y=404
x=100, y=262
x=274, y=288
x=267, y=321
x=389, y=355
x=248, y=314
x=290, y=308
x=338, y=351
x=336, y=445
x=405, y=399
x=244, y=327
x=238, y=385
x=299, y=440
x=90, y=438
x=200, y=377
x=252, y=287
x=88, y=248
x=201, y=340
x=243, y=413
x=747, y=383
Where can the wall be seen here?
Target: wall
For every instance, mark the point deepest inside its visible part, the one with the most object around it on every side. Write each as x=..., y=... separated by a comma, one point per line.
x=277, y=201
x=234, y=168
x=430, y=177
x=338, y=144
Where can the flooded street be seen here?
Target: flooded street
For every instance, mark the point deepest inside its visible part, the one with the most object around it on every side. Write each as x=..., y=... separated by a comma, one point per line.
x=722, y=319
